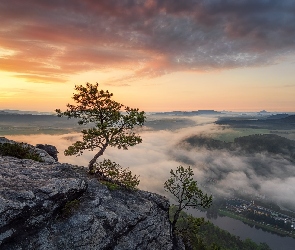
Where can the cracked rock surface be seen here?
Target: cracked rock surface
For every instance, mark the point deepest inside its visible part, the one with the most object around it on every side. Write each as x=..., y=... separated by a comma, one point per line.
x=33, y=197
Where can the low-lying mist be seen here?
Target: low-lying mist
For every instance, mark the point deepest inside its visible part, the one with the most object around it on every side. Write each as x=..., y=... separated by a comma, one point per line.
x=222, y=172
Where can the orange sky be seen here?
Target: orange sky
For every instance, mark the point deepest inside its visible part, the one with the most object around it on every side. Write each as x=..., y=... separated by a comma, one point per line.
x=154, y=55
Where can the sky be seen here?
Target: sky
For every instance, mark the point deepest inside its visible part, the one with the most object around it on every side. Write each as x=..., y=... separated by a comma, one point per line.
x=155, y=55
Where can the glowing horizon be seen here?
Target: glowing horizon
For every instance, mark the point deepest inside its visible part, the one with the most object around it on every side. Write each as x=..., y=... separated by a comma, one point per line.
x=153, y=55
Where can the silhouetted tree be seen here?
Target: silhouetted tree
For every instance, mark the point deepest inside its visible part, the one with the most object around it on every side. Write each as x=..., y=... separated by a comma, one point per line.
x=111, y=126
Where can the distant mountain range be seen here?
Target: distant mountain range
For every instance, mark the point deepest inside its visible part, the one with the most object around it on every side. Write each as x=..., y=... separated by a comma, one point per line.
x=279, y=121
x=190, y=113
x=21, y=112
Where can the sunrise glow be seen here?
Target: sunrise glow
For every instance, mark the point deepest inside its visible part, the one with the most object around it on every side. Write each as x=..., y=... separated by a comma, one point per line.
x=154, y=55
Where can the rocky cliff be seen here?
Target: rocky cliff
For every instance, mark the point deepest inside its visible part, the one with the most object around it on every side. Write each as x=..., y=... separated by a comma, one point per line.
x=49, y=205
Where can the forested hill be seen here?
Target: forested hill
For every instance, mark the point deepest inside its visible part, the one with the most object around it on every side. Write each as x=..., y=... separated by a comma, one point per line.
x=271, y=122
x=31, y=119
x=290, y=118
x=269, y=143
x=210, y=236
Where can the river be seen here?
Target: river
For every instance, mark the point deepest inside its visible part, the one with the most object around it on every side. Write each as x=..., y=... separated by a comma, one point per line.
x=244, y=231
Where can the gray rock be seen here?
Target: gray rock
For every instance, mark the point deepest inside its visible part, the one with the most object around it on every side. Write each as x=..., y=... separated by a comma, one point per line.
x=31, y=194
x=33, y=198
x=42, y=153
x=50, y=149
x=4, y=140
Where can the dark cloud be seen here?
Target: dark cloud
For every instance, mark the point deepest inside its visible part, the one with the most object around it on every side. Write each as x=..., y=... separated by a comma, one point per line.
x=152, y=38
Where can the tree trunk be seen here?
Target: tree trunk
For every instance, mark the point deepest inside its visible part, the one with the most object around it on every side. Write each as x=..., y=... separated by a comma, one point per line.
x=99, y=153
x=175, y=219
x=173, y=225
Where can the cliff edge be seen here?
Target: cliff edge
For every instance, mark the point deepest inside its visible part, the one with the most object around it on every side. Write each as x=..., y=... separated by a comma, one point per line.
x=49, y=205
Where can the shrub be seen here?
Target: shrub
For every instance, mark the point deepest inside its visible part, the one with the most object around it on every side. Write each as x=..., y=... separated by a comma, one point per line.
x=19, y=150
x=112, y=172
x=186, y=192
x=187, y=227
x=111, y=186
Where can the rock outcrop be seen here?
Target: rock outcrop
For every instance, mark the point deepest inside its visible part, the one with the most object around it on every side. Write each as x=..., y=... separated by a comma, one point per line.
x=49, y=205
x=44, y=155
x=50, y=149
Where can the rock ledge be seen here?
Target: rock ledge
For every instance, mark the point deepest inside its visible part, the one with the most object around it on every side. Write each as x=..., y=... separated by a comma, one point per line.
x=33, y=195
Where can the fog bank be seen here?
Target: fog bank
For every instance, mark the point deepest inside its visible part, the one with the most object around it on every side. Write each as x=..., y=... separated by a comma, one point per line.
x=220, y=172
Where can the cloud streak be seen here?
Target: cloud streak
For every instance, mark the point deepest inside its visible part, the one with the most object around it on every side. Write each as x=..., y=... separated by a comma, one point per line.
x=57, y=39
